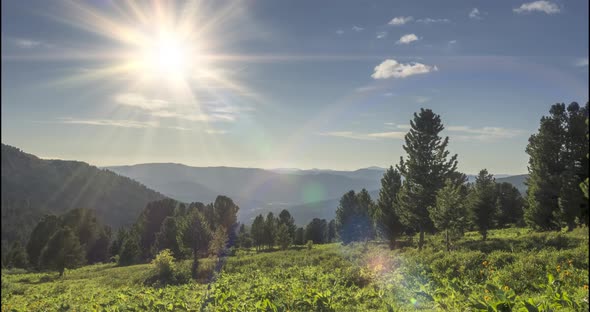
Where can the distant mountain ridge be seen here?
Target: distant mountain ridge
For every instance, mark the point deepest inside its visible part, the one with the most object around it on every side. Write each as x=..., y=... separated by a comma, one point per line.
x=307, y=193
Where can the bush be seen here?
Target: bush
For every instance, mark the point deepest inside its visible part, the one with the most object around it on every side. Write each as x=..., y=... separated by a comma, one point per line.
x=309, y=244
x=164, y=265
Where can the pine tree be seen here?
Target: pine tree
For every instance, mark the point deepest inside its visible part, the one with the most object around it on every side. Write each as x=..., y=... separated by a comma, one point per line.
x=270, y=230
x=130, y=252
x=63, y=251
x=284, y=238
x=425, y=170
x=41, y=234
x=299, y=236
x=509, y=204
x=353, y=219
x=482, y=203
x=169, y=237
x=448, y=215
x=557, y=165
x=385, y=217
x=257, y=231
x=332, y=231
x=197, y=236
x=288, y=220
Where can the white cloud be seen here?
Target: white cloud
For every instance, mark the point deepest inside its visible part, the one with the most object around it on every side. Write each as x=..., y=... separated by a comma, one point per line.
x=357, y=28
x=452, y=41
x=388, y=135
x=388, y=94
x=484, y=133
x=400, y=20
x=112, y=122
x=381, y=35
x=422, y=99
x=340, y=32
x=539, y=6
x=365, y=136
x=583, y=62
x=407, y=39
x=429, y=20
x=365, y=89
x=393, y=69
x=164, y=109
x=474, y=14
x=347, y=135
x=215, y=131
x=27, y=43
x=138, y=100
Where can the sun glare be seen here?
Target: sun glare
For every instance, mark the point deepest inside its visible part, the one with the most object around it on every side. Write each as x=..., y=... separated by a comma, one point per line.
x=167, y=56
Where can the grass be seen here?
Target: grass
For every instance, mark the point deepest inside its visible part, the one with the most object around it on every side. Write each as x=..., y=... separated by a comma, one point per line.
x=514, y=269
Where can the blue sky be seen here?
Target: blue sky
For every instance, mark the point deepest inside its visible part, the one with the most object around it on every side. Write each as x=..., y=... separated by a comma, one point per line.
x=324, y=84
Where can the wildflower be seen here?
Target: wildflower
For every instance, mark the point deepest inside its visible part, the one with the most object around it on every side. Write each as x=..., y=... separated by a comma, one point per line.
x=487, y=291
x=506, y=288
x=570, y=262
x=586, y=286
x=485, y=263
x=487, y=298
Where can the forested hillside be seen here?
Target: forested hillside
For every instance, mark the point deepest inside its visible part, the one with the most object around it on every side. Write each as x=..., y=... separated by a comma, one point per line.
x=32, y=187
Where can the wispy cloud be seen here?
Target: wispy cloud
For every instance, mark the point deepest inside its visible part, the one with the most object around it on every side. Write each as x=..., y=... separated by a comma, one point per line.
x=461, y=133
x=215, y=131
x=393, y=69
x=407, y=39
x=347, y=135
x=400, y=20
x=388, y=135
x=465, y=133
x=366, y=89
x=27, y=43
x=583, y=62
x=538, y=6
x=422, y=99
x=452, y=41
x=429, y=20
x=339, y=32
x=121, y=123
x=138, y=100
x=124, y=123
x=357, y=28
x=381, y=35
x=165, y=109
x=474, y=14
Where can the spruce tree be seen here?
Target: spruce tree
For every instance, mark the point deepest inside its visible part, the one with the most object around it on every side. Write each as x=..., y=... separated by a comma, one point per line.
x=386, y=219
x=482, y=203
x=449, y=213
x=425, y=170
x=63, y=251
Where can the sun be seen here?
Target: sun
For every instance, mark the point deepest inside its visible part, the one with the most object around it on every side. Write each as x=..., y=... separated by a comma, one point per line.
x=167, y=56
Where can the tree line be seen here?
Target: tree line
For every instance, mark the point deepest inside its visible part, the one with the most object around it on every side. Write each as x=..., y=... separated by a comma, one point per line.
x=434, y=196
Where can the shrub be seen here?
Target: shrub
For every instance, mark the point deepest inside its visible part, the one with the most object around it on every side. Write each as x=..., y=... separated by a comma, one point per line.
x=309, y=244
x=164, y=265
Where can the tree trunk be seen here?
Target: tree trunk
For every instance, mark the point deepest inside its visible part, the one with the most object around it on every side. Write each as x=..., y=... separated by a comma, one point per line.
x=448, y=242
x=195, y=267
x=421, y=241
x=392, y=244
x=484, y=235
x=61, y=272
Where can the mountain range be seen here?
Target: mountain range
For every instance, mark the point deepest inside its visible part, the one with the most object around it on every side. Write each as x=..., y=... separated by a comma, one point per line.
x=32, y=187
x=305, y=193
